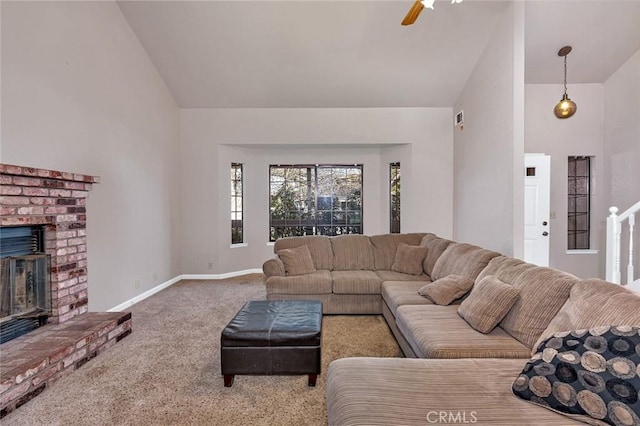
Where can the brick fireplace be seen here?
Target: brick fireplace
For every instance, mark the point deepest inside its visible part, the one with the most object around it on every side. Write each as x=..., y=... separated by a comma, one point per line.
x=55, y=201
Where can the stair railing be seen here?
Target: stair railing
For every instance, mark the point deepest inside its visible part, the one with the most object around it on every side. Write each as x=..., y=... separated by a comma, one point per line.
x=614, y=231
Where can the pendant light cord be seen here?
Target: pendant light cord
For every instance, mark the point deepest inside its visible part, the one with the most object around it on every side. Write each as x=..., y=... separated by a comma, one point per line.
x=565, y=74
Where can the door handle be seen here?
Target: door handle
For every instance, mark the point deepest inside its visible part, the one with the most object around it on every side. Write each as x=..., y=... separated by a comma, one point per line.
x=544, y=223
x=545, y=233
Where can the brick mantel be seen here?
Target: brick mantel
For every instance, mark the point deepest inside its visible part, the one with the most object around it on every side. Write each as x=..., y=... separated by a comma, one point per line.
x=56, y=200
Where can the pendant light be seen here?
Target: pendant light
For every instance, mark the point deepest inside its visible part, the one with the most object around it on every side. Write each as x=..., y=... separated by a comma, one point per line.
x=566, y=107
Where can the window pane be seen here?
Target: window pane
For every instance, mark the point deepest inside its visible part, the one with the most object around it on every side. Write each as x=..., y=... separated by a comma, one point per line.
x=578, y=203
x=236, y=204
x=582, y=167
x=310, y=200
x=394, y=198
x=353, y=218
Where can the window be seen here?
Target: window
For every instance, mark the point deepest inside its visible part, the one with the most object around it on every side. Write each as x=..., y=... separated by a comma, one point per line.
x=314, y=200
x=579, y=203
x=394, y=198
x=236, y=204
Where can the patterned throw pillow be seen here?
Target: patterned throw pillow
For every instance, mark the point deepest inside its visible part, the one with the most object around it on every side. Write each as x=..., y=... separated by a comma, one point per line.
x=587, y=375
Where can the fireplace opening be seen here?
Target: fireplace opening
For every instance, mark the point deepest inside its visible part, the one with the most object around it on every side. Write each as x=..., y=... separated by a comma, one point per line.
x=25, y=290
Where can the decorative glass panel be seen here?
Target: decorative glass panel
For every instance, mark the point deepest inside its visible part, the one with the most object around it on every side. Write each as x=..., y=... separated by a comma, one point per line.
x=579, y=203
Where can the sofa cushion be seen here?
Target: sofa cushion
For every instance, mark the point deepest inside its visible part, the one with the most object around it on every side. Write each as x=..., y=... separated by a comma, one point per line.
x=435, y=247
x=318, y=282
x=356, y=282
x=319, y=247
x=297, y=261
x=399, y=293
x=587, y=374
x=352, y=252
x=543, y=291
x=594, y=303
x=447, y=289
x=386, y=245
x=488, y=303
x=438, y=332
x=409, y=259
x=399, y=391
x=400, y=276
x=462, y=259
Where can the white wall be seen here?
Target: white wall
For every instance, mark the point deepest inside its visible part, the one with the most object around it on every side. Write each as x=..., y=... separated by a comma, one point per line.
x=622, y=133
x=79, y=94
x=622, y=145
x=488, y=191
x=212, y=138
x=582, y=134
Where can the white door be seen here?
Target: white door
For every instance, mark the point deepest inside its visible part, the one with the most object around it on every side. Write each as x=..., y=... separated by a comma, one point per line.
x=537, y=190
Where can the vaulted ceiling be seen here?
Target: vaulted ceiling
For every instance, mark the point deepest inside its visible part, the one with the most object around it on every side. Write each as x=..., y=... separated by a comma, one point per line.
x=305, y=53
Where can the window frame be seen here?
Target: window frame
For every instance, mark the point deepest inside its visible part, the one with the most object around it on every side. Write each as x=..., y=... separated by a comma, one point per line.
x=579, y=202
x=394, y=198
x=237, y=223
x=307, y=216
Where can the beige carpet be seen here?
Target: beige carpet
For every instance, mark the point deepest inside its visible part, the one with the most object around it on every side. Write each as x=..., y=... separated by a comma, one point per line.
x=167, y=372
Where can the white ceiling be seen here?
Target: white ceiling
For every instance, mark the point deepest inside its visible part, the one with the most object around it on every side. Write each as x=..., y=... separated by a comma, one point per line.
x=305, y=53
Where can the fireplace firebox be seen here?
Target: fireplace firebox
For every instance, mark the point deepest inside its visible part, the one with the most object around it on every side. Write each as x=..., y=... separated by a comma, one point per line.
x=25, y=289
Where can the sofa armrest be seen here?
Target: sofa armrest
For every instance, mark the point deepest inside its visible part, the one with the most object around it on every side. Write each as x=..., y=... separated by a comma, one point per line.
x=273, y=267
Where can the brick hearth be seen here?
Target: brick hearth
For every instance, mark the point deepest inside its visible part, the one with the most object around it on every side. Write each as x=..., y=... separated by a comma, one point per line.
x=36, y=360
x=31, y=363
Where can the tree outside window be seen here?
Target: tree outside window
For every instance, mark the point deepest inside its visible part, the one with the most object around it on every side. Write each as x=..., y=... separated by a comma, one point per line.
x=315, y=200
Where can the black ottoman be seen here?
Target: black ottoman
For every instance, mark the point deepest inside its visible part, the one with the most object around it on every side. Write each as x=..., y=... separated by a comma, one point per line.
x=273, y=337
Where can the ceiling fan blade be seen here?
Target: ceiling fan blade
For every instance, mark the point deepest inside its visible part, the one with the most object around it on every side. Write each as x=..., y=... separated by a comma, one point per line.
x=413, y=13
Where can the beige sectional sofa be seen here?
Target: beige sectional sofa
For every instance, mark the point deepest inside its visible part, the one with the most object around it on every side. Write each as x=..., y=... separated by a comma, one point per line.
x=348, y=271
x=474, y=390
x=460, y=375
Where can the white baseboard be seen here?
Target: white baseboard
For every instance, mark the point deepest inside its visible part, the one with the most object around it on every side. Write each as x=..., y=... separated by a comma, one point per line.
x=151, y=292
x=220, y=276
x=144, y=295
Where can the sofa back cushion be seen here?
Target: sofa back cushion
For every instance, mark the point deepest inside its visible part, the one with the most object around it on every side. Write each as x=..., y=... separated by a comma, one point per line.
x=435, y=247
x=319, y=247
x=542, y=292
x=462, y=259
x=352, y=252
x=385, y=247
x=595, y=303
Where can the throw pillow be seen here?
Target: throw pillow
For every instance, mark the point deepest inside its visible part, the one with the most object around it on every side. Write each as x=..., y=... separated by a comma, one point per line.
x=409, y=259
x=488, y=302
x=587, y=375
x=447, y=289
x=297, y=261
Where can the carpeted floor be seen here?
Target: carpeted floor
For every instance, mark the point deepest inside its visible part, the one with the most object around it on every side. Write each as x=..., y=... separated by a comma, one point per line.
x=167, y=372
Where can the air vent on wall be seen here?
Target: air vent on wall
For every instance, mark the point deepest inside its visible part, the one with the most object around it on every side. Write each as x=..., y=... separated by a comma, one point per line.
x=459, y=119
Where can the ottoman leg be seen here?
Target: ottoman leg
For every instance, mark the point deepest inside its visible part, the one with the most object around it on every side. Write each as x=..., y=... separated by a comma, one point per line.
x=312, y=379
x=228, y=380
